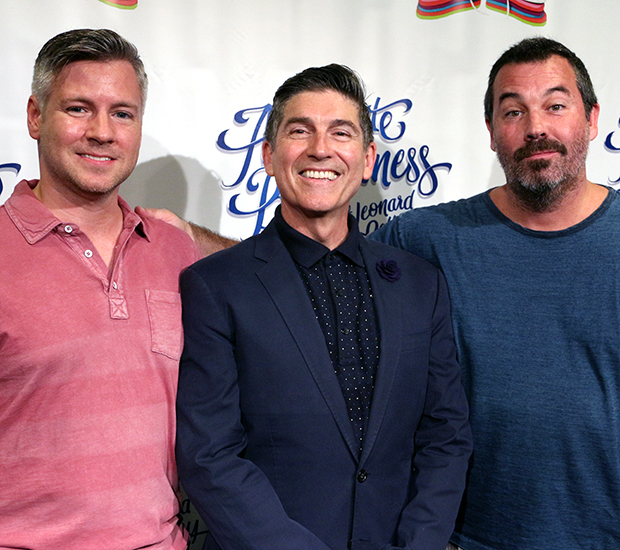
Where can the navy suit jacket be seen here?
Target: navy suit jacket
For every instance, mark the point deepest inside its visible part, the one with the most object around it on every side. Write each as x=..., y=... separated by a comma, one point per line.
x=265, y=447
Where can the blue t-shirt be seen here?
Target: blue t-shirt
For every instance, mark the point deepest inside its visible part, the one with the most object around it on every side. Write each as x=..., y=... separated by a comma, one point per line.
x=537, y=323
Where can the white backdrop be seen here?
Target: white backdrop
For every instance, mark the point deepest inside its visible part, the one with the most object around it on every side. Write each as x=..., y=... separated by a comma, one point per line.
x=215, y=64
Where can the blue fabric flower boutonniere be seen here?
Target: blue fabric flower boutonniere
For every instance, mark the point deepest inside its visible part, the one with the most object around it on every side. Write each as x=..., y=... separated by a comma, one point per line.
x=389, y=270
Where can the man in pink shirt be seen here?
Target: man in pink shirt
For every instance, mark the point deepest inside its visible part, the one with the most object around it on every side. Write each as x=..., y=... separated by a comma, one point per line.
x=90, y=324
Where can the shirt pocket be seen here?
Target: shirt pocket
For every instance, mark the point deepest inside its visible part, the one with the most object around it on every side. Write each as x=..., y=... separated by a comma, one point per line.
x=164, y=309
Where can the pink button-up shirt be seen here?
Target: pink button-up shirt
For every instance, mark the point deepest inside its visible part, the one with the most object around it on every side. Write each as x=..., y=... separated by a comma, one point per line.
x=88, y=375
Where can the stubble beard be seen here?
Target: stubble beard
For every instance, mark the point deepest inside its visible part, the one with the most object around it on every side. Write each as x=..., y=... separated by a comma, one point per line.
x=540, y=185
x=75, y=182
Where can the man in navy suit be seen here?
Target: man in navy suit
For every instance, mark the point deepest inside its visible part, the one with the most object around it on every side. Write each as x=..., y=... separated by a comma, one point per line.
x=320, y=403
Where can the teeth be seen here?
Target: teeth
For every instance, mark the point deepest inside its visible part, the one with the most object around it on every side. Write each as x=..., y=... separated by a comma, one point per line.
x=320, y=174
x=97, y=158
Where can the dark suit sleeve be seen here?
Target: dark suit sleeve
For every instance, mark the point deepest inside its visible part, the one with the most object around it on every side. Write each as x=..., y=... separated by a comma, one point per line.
x=443, y=443
x=232, y=495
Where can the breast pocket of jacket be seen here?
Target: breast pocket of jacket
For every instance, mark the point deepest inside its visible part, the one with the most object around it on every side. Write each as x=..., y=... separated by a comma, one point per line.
x=164, y=309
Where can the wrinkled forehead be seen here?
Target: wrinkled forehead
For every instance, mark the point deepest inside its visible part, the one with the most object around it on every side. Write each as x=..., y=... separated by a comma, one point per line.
x=553, y=72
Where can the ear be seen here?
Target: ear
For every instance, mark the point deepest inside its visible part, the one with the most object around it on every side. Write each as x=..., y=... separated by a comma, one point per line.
x=370, y=157
x=596, y=110
x=490, y=129
x=267, y=154
x=34, y=117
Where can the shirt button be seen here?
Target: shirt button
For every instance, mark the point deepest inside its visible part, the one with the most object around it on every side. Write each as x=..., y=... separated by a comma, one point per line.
x=68, y=229
x=114, y=286
x=345, y=331
x=88, y=253
x=362, y=476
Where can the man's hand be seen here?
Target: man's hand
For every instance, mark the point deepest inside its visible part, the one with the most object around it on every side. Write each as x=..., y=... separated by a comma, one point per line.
x=206, y=240
x=166, y=216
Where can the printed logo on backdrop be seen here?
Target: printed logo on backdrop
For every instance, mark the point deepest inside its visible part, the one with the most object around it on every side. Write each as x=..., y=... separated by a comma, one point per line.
x=531, y=12
x=192, y=524
x=400, y=171
x=9, y=167
x=612, y=144
x=121, y=4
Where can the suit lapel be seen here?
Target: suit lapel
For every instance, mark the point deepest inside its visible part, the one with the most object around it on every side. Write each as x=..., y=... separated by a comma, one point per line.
x=281, y=280
x=386, y=296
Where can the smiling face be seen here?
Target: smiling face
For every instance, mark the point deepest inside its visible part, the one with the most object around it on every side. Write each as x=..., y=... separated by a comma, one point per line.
x=318, y=159
x=90, y=130
x=539, y=129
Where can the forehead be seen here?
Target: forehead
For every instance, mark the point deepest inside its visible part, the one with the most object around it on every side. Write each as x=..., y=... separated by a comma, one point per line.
x=536, y=78
x=99, y=78
x=322, y=106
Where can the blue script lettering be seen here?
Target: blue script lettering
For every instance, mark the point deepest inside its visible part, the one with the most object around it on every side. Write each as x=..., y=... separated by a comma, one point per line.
x=613, y=149
x=407, y=165
x=382, y=124
x=9, y=167
x=257, y=184
x=367, y=213
x=192, y=524
x=404, y=165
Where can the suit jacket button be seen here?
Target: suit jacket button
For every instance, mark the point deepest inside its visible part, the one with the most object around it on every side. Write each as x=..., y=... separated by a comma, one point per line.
x=362, y=476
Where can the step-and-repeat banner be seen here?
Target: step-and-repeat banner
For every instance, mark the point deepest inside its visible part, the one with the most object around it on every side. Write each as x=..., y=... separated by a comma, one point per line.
x=214, y=65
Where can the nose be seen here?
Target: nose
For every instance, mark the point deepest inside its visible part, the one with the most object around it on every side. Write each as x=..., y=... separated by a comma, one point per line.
x=536, y=128
x=100, y=128
x=318, y=146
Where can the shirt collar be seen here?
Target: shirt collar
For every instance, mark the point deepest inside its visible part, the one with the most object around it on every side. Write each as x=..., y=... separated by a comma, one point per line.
x=34, y=220
x=306, y=251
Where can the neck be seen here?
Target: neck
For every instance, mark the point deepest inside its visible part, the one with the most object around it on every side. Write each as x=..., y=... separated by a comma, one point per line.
x=572, y=208
x=330, y=230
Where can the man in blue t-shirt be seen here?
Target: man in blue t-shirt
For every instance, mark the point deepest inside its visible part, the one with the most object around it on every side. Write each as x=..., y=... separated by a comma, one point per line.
x=533, y=268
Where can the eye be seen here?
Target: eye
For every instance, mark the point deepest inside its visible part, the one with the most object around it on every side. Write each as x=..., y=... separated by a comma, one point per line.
x=556, y=107
x=123, y=115
x=298, y=132
x=76, y=109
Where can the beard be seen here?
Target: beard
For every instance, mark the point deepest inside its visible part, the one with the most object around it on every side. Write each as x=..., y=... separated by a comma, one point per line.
x=540, y=185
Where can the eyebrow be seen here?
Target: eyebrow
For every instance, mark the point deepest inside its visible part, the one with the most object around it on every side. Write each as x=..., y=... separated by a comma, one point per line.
x=334, y=123
x=87, y=101
x=550, y=91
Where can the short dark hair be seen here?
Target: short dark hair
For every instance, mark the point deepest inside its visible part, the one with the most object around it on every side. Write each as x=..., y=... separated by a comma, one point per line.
x=538, y=49
x=83, y=45
x=335, y=77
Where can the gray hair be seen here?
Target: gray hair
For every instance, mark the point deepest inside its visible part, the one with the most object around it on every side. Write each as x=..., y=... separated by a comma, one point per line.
x=101, y=45
x=315, y=79
x=535, y=50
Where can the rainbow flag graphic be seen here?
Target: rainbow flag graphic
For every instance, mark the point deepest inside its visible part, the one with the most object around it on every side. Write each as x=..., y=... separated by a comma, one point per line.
x=530, y=12
x=122, y=4
x=434, y=9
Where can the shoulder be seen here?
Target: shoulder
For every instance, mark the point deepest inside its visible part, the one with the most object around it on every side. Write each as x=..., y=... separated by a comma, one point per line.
x=234, y=260
x=169, y=241
x=421, y=230
x=446, y=213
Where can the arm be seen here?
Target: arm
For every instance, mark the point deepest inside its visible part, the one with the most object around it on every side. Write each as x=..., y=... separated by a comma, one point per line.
x=232, y=495
x=206, y=240
x=443, y=443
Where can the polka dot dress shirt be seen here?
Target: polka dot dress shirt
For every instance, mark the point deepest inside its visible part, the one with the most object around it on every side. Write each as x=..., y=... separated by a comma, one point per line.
x=338, y=287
